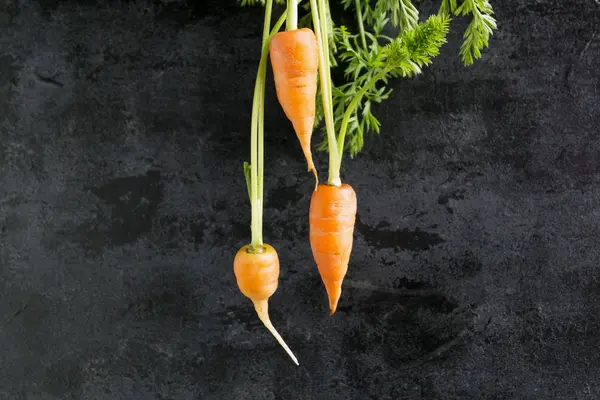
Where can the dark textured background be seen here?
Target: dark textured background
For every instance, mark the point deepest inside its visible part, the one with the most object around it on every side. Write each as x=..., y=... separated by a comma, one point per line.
x=475, y=273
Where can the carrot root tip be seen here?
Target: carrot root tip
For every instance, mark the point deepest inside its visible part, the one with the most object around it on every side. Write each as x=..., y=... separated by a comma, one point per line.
x=262, y=309
x=334, y=292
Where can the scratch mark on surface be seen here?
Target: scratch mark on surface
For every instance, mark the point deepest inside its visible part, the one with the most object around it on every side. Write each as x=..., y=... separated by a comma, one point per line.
x=587, y=45
x=18, y=312
x=581, y=54
x=438, y=351
x=49, y=81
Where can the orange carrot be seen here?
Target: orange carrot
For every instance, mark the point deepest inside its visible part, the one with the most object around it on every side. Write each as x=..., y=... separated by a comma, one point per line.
x=294, y=58
x=332, y=218
x=257, y=275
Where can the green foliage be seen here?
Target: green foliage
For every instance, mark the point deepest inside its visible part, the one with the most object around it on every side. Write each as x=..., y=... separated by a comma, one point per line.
x=361, y=54
x=365, y=54
x=368, y=72
x=250, y=3
x=403, y=13
x=415, y=48
x=361, y=66
x=447, y=7
x=477, y=34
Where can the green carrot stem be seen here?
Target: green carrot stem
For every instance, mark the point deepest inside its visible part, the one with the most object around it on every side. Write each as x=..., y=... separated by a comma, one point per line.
x=361, y=26
x=324, y=19
x=257, y=131
x=257, y=139
x=325, y=81
x=351, y=109
x=292, y=15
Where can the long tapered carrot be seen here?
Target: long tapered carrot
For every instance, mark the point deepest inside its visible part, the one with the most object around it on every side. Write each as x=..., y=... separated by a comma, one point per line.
x=294, y=58
x=333, y=204
x=332, y=217
x=257, y=276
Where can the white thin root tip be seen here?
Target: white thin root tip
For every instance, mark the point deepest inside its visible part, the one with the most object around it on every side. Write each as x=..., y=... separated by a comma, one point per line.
x=262, y=309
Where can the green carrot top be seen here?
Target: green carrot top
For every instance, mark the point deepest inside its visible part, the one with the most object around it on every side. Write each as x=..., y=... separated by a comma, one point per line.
x=362, y=53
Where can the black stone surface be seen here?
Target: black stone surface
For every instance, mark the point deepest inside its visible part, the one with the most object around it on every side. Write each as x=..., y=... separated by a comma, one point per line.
x=475, y=272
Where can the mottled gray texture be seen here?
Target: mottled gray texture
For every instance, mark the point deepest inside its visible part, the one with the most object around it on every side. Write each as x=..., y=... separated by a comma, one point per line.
x=475, y=272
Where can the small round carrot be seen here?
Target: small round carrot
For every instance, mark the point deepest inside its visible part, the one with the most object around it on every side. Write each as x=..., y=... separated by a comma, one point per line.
x=332, y=217
x=257, y=275
x=294, y=58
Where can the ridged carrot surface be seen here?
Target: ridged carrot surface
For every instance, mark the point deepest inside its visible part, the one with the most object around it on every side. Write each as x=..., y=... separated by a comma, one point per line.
x=332, y=217
x=294, y=58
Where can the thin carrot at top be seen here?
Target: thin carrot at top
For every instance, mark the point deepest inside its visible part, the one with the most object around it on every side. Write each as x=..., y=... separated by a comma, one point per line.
x=256, y=266
x=295, y=59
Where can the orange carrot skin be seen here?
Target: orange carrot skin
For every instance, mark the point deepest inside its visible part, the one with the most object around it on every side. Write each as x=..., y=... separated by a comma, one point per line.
x=257, y=274
x=257, y=277
x=332, y=217
x=295, y=60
